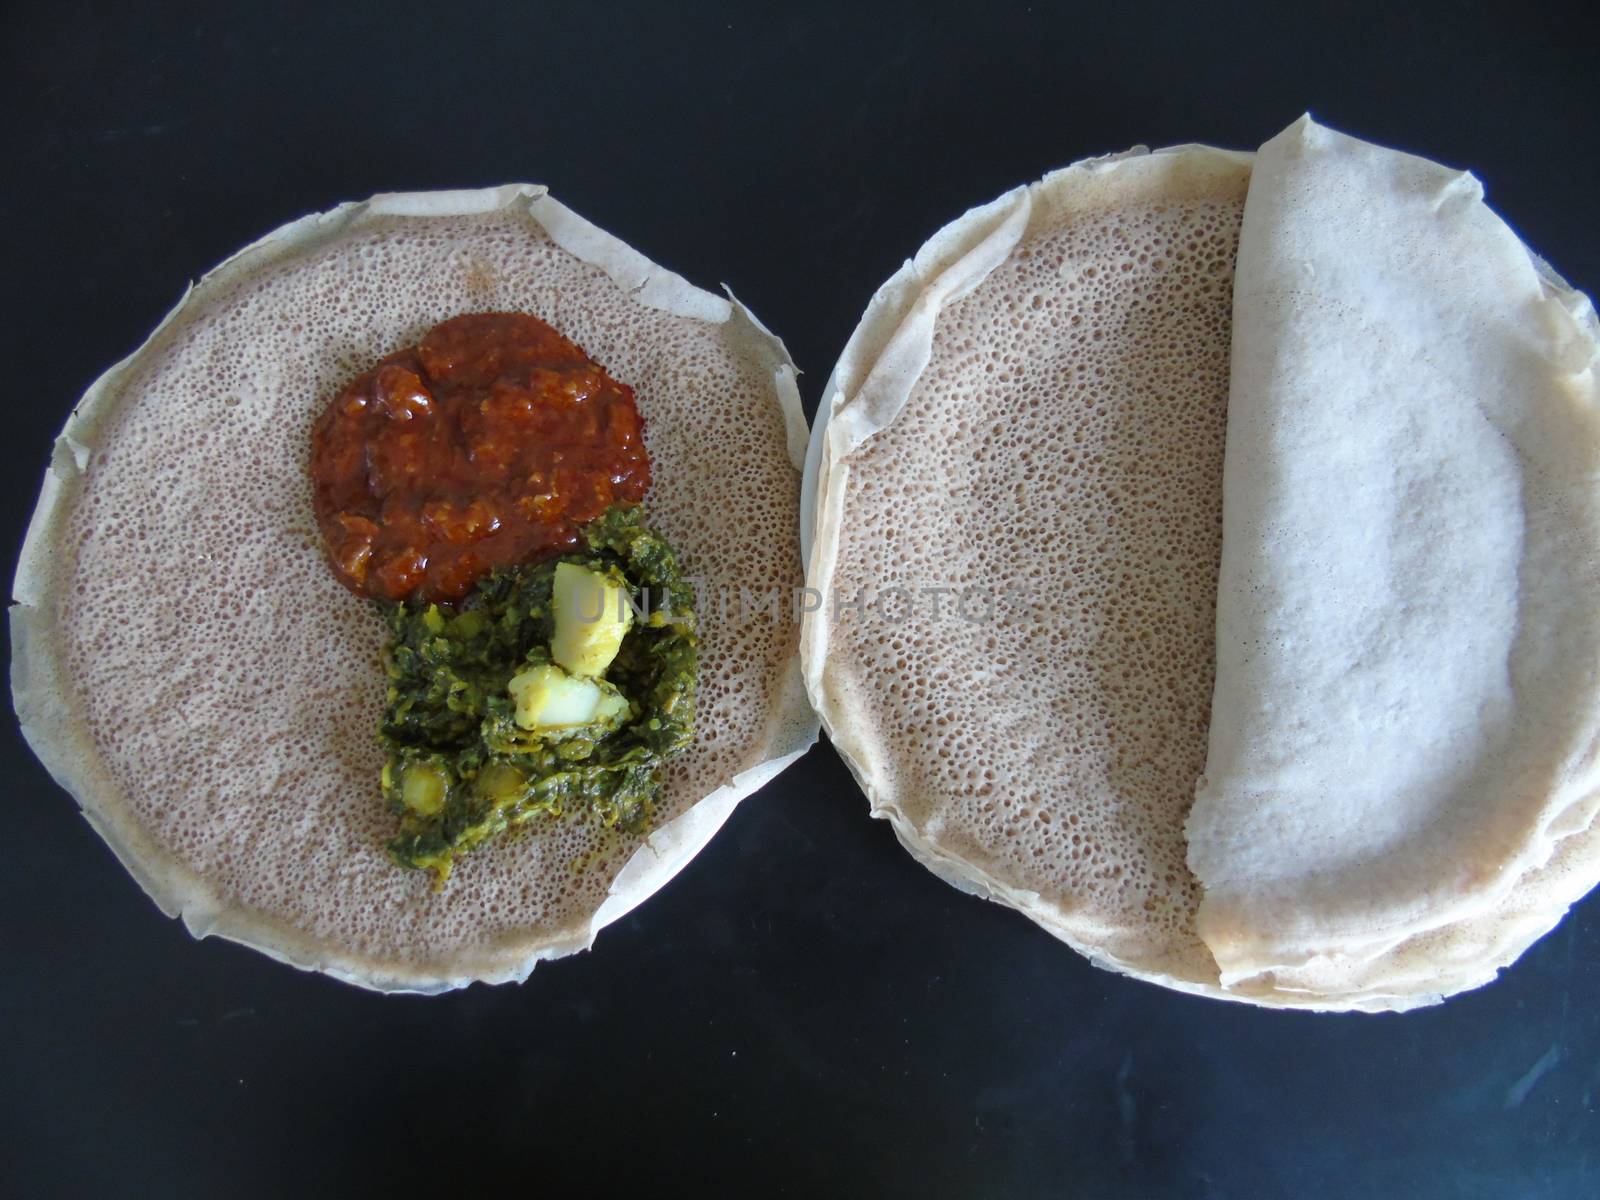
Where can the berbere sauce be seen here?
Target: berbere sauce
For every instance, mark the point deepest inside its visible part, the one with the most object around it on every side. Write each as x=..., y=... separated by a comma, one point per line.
x=487, y=444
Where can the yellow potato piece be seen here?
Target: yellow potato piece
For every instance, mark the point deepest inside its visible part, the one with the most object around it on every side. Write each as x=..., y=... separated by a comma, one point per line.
x=548, y=698
x=592, y=615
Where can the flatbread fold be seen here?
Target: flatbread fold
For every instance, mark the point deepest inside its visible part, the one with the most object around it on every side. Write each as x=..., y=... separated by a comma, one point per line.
x=1407, y=704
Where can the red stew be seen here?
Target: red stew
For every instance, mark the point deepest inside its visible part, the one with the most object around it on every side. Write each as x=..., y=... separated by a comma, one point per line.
x=485, y=445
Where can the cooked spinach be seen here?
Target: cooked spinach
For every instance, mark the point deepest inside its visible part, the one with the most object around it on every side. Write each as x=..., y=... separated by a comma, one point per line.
x=462, y=770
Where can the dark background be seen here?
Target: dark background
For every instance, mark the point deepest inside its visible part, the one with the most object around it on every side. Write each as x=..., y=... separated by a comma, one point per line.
x=803, y=1011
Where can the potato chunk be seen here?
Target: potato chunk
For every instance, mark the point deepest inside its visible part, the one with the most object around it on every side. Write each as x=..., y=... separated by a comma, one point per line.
x=548, y=698
x=423, y=788
x=592, y=615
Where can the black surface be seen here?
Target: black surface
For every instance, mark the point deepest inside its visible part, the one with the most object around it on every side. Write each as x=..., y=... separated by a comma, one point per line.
x=804, y=1011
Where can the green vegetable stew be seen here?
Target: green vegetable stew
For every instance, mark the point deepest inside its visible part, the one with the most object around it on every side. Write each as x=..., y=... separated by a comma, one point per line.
x=560, y=687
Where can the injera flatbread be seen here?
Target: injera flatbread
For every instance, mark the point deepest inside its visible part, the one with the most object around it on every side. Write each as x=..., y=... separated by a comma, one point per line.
x=186, y=666
x=973, y=783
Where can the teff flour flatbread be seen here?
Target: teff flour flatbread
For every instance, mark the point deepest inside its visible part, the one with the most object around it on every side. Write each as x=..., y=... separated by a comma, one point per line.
x=1037, y=404
x=186, y=665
